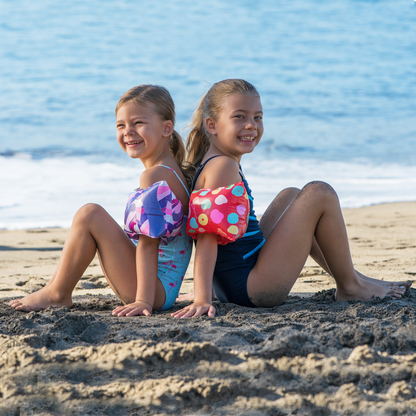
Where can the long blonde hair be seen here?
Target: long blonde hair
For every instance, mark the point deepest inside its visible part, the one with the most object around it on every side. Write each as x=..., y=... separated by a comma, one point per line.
x=162, y=103
x=211, y=104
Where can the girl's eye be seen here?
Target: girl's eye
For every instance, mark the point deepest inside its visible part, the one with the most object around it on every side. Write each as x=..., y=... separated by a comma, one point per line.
x=259, y=118
x=138, y=122
x=119, y=125
x=239, y=116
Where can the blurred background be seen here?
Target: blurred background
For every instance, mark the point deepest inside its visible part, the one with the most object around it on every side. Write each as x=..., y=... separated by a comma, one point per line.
x=337, y=82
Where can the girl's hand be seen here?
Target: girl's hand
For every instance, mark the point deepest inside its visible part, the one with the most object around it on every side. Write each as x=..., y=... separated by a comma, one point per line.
x=186, y=296
x=196, y=309
x=136, y=308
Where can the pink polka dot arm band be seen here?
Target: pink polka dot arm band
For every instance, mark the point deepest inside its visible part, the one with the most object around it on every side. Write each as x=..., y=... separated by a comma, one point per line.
x=223, y=211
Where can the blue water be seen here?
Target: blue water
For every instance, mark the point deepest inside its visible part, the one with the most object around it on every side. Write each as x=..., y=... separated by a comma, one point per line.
x=337, y=82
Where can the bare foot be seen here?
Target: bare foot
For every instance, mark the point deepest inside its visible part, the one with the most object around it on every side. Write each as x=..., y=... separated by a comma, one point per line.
x=406, y=284
x=367, y=289
x=38, y=300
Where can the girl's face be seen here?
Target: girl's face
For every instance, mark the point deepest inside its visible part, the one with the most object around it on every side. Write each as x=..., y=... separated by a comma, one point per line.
x=141, y=132
x=239, y=127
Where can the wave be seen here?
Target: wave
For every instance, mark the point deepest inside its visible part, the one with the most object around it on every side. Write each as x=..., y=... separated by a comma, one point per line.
x=47, y=192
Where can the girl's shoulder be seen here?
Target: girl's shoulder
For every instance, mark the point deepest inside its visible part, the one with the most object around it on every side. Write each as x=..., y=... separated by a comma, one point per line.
x=219, y=171
x=220, y=161
x=153, y=175
x=167, y=174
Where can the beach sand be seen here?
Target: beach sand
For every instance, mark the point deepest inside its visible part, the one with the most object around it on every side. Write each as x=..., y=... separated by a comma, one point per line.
x=310, y=356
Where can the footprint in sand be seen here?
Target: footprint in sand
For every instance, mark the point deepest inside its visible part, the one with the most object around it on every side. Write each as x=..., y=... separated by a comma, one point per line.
x=94, y=282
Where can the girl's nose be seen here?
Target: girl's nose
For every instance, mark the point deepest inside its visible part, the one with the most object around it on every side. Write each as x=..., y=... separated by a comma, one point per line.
x=128, y=130
x=251, y=125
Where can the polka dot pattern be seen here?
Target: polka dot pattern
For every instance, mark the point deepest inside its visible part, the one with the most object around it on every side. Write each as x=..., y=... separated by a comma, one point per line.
x=216, y=216
x=203, y=219
x=206, y=204
x=232, y=218
x=222, y=211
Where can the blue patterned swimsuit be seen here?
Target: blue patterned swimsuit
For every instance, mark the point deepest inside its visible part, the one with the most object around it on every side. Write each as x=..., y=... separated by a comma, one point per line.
x=173, y=258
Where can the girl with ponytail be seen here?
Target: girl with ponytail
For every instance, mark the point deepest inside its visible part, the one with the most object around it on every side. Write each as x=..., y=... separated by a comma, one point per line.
x=250, y=262
x=145, y=263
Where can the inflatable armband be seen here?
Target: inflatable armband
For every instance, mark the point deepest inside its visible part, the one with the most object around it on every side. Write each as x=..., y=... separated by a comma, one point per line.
x=223, y=211
x=154, y=212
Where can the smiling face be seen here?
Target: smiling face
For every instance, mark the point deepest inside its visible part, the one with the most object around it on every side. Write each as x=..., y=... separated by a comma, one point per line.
x=239, y=127
x=141, y=132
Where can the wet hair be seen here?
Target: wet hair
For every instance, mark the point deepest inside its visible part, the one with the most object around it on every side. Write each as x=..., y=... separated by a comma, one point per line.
x=211, y=104
x=159, y=99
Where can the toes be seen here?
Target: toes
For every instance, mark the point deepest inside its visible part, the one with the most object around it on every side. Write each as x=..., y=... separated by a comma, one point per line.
x=398, y=293
x=24, y=308
x=19, y=306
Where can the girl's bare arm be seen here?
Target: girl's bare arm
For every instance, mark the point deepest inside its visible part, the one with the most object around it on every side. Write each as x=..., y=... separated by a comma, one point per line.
x=146, y=268
x=205, y=258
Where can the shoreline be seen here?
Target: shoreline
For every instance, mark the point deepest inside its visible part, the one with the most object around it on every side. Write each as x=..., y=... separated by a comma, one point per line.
x=63, y=189
x=67, y=225
x=34, y=253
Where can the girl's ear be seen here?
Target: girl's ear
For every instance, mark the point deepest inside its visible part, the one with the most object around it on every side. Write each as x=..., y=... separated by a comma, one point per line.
x=167, y=128
x=210, y=125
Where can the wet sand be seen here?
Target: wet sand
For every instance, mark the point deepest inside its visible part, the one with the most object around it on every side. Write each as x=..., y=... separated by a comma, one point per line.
x=310, y=356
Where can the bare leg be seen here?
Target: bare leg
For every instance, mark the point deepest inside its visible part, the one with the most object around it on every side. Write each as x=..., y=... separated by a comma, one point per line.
x=93, y=230
x=315, y=212
x=276, y=210
x=319, y=258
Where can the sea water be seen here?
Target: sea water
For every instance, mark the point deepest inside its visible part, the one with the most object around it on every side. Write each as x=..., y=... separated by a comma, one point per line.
x=337, y=82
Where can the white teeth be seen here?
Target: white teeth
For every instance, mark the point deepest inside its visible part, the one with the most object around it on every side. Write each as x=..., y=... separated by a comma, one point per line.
x=247, y=138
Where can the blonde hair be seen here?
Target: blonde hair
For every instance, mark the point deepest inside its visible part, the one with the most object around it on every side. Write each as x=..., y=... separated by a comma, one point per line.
x=211, y=104
x=159, y=99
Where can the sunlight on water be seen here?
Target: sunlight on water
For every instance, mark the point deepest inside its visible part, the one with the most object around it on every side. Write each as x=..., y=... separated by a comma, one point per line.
x=337, y=83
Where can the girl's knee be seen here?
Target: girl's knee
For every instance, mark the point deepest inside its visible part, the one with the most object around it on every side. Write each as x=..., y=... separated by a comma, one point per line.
x=289, y=192
x=87, y=212
x=319, y=189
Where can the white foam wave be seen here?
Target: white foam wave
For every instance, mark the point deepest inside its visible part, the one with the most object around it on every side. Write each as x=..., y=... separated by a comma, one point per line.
x=48, y=192
x=357, y=184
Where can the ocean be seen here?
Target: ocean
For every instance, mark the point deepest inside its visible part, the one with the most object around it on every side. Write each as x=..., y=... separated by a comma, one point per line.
x=337, y=82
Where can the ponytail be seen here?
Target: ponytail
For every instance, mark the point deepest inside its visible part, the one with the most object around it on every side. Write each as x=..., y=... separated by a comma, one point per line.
x=198, y=141
x=177, y=148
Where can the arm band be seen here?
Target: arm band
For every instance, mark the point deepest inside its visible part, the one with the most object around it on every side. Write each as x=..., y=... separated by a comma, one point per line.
x=222, y=211
x=154, y=212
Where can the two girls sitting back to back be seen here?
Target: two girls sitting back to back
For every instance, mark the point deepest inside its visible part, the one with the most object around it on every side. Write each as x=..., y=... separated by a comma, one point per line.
x=248, y=262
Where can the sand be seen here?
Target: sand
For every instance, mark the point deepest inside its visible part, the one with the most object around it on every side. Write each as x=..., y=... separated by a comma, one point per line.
x=310, y=356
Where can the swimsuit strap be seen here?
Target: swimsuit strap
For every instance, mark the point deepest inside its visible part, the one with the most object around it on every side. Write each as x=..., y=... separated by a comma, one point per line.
x=202, y=165
x=240, y=171
x=180, y=180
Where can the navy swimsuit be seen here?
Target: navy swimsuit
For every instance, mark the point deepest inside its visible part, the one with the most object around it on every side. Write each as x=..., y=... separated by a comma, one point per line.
x=236, y=260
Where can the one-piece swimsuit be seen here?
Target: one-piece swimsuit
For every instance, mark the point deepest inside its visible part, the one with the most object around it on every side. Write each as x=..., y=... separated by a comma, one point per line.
x=236, y=260
x=173, y=259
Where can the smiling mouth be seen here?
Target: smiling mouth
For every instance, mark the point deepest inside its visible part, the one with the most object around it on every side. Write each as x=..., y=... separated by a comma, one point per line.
x=134, y=143
x=247, y=138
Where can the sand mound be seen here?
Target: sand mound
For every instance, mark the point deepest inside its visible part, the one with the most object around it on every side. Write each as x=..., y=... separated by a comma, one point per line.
x=309, y=356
